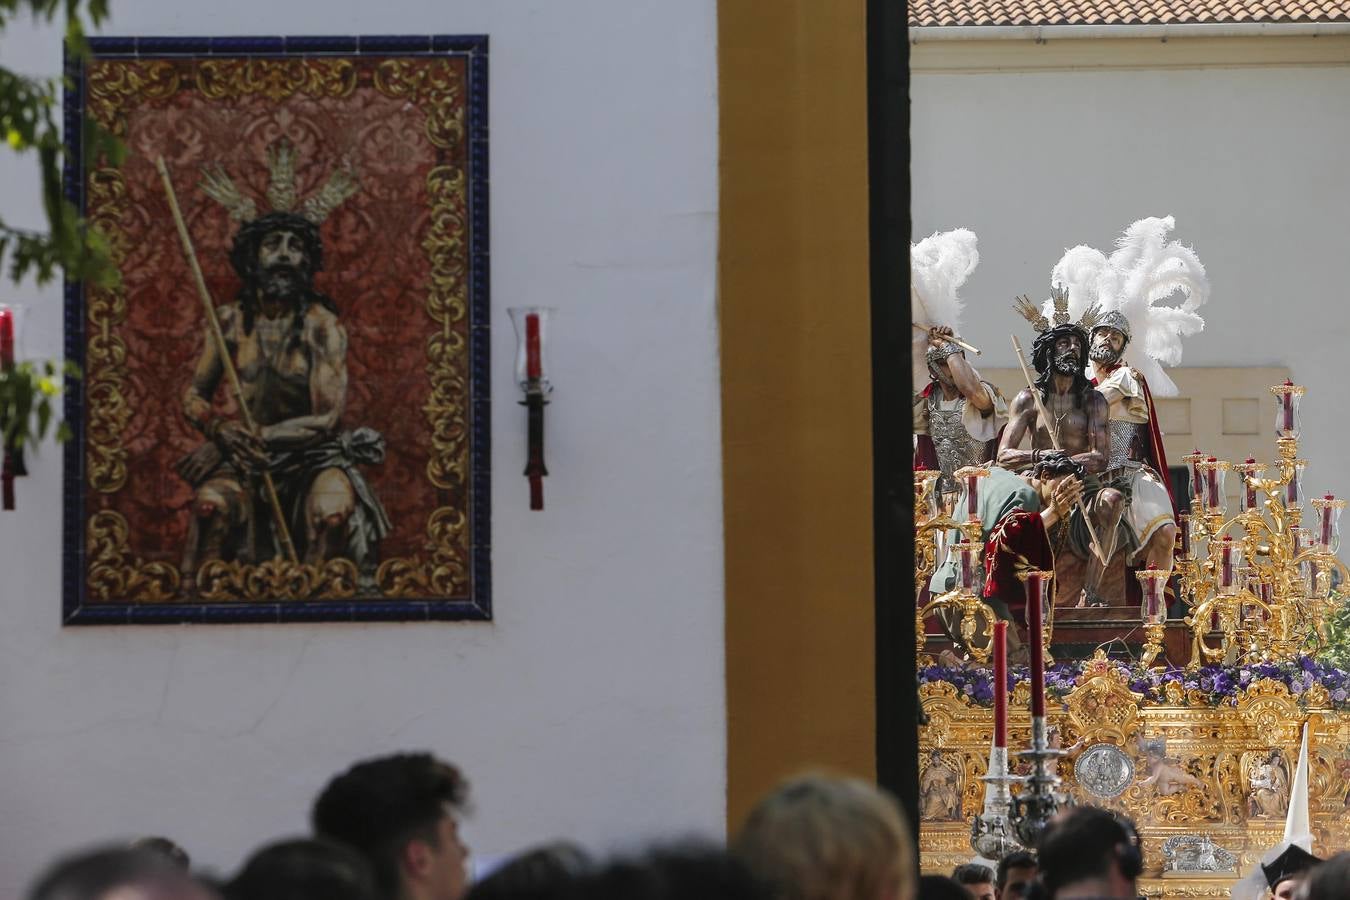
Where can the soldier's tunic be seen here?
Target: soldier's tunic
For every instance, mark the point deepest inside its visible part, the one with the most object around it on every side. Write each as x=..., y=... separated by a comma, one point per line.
x=1129, y=466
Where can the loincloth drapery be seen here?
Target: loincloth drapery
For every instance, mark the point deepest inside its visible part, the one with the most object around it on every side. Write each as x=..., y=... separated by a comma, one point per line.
x=293, y=472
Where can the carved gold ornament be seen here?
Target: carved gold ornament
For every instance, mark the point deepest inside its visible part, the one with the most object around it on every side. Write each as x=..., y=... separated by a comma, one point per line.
x=1207, y=759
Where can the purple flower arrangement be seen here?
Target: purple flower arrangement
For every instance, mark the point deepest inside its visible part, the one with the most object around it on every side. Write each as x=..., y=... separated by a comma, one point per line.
x=1220, y=685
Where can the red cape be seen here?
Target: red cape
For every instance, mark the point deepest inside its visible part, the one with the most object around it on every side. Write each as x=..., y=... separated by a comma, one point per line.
x=1017, y=544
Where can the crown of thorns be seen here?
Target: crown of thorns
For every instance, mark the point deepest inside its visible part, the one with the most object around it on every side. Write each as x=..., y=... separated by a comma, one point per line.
x=1059, y=297
x=281, y=190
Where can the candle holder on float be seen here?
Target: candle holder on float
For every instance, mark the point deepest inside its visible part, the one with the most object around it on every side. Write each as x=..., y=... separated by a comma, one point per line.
x=926, y=545
x=1040, y=799
x=1321, y=561
x=964, y=600
x=1269, y=609
x=991, y=831
x=1153, y=610
x=932, y=523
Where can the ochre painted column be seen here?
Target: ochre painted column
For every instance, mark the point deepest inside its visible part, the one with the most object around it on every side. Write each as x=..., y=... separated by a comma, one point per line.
x=796, y=398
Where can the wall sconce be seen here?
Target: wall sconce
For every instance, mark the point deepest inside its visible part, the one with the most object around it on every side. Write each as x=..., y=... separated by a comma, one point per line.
x=10, y=318
x=531, y=324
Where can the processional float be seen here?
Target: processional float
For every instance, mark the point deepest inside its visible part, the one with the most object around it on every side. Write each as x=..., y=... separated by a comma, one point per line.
x=1257, y=585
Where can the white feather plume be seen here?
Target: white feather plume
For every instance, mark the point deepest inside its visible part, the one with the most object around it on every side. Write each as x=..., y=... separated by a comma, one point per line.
x=1085, y=272
x=939, y=266
x=1142, y=279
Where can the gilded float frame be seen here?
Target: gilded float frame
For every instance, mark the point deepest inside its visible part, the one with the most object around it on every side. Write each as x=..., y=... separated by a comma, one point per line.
x=448, y=577
x=1212, y=746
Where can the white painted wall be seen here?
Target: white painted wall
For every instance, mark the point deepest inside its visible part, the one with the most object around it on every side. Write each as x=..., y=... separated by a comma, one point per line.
x=1250, y=161
x=593, y=706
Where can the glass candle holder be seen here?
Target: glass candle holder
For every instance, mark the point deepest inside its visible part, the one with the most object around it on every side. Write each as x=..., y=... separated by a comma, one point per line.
x=1153, y=602
x=1260, y=590
x=1192, y=461
x=1288, y=421
x=1318, y=586
x=532, y=367
x=925, y=486
x=11, y=333
x=1293, y=491
x=1227, y=555
x=1213, y=476
x=967, y=564
x=1249, y=499
x=1328, y=510
x=969, y=479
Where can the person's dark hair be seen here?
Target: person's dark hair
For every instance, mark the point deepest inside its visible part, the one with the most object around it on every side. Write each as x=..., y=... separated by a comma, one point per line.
x=1056, y=466
x=303, y=869
x=973, y=873
x=378, y=805
x=244, y=251
x=1328, y=880
x=1019, y=859
x=1042, y=353
x=539, y=874
x=90, y=875
x=671, y=873
x=1087, y=842
x=940, y=887
x=166, y=848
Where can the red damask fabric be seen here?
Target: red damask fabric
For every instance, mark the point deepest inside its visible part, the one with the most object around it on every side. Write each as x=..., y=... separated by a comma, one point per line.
x=376, y=269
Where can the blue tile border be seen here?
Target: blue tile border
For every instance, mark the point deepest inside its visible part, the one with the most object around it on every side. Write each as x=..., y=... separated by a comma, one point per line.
x=77, y=608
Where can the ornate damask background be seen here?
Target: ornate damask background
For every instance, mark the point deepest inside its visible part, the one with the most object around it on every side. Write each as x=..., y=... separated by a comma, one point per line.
x=396, y=262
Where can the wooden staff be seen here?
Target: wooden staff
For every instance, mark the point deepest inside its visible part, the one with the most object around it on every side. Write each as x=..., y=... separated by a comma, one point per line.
x=224, y=351
x=1054, y=442
x=947, y=337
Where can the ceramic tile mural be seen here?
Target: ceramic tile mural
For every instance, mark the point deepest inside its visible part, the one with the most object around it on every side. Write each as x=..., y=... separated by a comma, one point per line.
x=367, y=164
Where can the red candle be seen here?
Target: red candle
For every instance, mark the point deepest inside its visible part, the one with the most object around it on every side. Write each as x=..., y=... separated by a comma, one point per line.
x=1287, y=401
x=6, y=337
x=533, y=367
x=1000, y=684
x=1226, y=563
x=1291, y=492
x=1327, y=519
x=1212, y=484
x=1035, y=630
x=1184, y=532
x=972, y=498
x=1196, y=485
x=1152, y=602
x=1247, y=480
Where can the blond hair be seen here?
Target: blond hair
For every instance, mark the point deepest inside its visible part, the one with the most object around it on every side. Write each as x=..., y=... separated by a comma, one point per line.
x=822, y=837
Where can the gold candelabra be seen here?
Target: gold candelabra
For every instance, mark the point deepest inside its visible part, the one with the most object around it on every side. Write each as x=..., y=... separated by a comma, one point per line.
x=1258, y=579
x=933, y=524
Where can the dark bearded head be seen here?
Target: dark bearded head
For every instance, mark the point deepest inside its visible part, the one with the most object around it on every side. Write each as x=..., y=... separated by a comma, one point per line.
x=249, y=240
x=1060, y=351
x=275, y=256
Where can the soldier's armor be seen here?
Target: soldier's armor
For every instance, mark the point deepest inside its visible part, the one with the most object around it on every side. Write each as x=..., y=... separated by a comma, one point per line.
x=1123, y=438
x=955, y=446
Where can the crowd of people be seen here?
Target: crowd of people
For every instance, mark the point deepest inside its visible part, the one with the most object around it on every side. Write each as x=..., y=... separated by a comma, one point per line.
x=388, y=829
